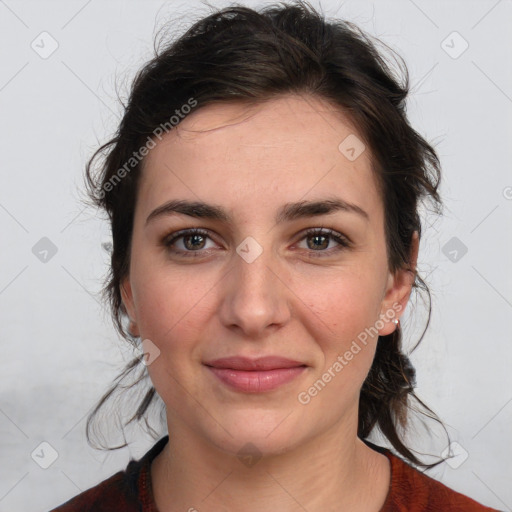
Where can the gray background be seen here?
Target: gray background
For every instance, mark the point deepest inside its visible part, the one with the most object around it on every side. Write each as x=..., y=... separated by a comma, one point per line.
x=59, y=351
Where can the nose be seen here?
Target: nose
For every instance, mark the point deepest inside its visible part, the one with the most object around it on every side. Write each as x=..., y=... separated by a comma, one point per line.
x=255, y=297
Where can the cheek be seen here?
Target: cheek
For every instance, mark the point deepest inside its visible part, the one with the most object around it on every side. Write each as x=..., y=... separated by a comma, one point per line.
x=171, y=313
x=345, y=304
x=343, y=313
x=173, y=308
x=167, y=301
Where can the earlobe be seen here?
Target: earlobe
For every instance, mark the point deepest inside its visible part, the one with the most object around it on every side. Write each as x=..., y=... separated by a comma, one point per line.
x=127, y=298
x=399, y=289
x=126, y=294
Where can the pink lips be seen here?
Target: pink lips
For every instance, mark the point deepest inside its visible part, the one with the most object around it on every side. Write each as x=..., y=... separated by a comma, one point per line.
x=255, y=375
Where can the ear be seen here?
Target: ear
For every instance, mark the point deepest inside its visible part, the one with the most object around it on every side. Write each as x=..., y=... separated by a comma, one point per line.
x=127, y=297
x=398, y=290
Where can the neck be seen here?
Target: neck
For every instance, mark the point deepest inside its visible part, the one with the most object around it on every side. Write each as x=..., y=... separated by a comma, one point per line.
x=334, y=472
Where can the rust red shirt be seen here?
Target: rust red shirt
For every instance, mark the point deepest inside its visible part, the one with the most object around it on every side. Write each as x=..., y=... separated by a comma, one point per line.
x=130, y=490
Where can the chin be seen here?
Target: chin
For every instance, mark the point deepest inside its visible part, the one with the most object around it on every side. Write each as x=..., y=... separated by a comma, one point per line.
x=266, y=432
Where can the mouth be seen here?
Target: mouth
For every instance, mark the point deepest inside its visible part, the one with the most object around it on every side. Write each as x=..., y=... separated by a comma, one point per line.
x=255, y=375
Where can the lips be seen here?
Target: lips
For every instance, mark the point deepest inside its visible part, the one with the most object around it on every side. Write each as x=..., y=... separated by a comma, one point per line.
x=262, y=363
x=255, y=375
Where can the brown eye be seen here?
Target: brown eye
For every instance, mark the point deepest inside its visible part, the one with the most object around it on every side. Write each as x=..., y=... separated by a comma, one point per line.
x=194, y=241
x=319, y=240
x=187, y=241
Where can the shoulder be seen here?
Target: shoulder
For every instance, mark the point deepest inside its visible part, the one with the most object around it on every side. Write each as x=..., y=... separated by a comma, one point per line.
x=413, y=491
x=119, y=492
x=126, y=490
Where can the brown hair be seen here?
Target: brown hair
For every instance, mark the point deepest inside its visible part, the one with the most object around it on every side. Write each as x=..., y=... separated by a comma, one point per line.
x=239, y=54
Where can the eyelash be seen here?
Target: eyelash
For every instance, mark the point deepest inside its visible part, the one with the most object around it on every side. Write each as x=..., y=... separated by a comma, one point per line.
x=342, y=240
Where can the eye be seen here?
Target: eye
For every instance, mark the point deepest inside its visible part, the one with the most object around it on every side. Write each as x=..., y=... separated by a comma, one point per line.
x=319, y=239
x=191, y=241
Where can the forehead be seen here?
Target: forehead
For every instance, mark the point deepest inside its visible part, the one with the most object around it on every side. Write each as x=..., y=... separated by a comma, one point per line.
x=294, y=147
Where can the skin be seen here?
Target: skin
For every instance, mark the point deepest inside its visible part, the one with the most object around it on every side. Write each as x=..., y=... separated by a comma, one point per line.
x=251, y=160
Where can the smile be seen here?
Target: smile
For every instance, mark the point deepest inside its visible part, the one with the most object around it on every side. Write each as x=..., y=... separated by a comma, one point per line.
x=255, y=375
x=256, y=381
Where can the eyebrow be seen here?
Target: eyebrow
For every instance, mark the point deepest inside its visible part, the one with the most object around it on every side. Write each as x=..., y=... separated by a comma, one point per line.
x=288, y=212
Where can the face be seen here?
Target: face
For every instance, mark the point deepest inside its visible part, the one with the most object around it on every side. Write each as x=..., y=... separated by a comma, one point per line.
x=268, y=273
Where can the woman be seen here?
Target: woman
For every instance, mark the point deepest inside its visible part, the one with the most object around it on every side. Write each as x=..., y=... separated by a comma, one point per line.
x=263, y=192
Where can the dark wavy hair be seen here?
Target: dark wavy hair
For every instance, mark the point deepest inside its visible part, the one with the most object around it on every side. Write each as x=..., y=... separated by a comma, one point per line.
x=240, y=54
